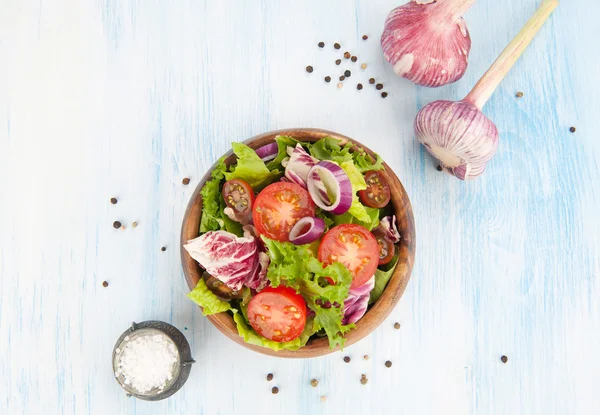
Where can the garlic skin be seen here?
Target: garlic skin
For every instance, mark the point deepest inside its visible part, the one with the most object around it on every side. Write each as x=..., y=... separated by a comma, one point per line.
x=428, y=44
x=459, y=135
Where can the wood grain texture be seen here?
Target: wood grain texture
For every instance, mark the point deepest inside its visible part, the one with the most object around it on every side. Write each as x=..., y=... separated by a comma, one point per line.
x=376, y=314
x=106, y=98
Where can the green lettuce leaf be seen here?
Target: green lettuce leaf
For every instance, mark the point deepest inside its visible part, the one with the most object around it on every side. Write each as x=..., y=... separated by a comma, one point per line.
x=364, y=162
x=348, y=218
x=283, y=141
x=329, y=222
x=212, y=214
x=205, y=298
x=297, y=267
x=251, y=168
x=381, y=280
x=252, y=337
x=357, y=209
x=328, y=148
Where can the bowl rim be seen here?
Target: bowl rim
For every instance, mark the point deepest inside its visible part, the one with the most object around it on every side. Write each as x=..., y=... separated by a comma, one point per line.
x=376, y=314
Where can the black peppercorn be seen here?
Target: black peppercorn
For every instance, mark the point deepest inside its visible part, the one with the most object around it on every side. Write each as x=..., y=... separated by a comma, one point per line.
x=354, y=59
x=164, y=248
x=504, y=359
x=342, y=78
x=439, y=168
x=328, y=79
x=372, y=81
x=309, y=69
x=388, y=364
x=338, y=61
x=572, y=129
x=379, y=86
x=347, y=359
x=113, y=200
x=105, y=284
x=347, y=55
x=186, y=181
x=321, y=44
x=116, y=224
x=384, y=94
x=270, y=377
x=347, y=73
x=396, y=324
x=359, y=87
x=275, y=390
x=365, y=37
x=336, y=45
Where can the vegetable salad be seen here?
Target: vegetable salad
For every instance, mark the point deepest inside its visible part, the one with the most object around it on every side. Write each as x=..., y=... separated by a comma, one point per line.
x=296, y=240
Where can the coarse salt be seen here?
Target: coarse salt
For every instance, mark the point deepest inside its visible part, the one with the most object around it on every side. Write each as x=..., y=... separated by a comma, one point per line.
x=147, y=362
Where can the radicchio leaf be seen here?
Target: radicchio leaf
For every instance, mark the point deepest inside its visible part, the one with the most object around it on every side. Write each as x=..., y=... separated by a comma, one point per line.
x=355, y=306
x=233, y=260
x=300, y=162
x=388, y=227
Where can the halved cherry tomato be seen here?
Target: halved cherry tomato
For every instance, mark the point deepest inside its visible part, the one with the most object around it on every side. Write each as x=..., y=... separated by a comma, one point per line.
x=387, y=249
x=377, y=193
x=353, y=246
x=239, y=196
x=279, y=314
x=278, y=207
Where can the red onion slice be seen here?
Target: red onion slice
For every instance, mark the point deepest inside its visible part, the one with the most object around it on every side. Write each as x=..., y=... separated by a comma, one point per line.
x=267, y=152
x=307, y=230
x=326, y=181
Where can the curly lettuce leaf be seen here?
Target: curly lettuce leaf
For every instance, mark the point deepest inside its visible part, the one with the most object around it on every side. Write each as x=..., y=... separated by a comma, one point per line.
x=250, y=168
x=364, y=161
x=283, y=142
x=357, y=209
x=211, y=194
x=252, y=337
x=329, y=222
x=381, y=280
x=205, y=298
x=328, y=148
x=296, y=266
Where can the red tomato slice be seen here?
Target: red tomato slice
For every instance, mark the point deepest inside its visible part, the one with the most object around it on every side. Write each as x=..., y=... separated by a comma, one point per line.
x=239, y=196
x=278, y=207
x=353, y=246
x=279, y=314
x=377, y=193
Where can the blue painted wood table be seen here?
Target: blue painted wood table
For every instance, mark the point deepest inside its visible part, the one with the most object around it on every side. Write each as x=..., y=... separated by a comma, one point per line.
x=104, y=98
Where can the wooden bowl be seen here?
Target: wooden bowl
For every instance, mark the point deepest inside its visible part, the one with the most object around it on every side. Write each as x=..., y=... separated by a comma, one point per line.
x=374, y=316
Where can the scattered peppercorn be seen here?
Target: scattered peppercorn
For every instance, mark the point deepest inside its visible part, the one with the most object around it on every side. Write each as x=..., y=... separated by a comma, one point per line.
x=134, y=224
x=336, y=45
x=396, y=324
x=186, y=181
x=347, y=359
x=363, y=379
x=572, y=129
x=439, y=168
x=379, y=86
x=363, y=66
x=164, y=248
x=372, y=81
x=105, y=284
x=347, y=55
x=113, y=200
x=116, y=224
x=519, y=94
x=338, y=61
x=388, y=363
x=366, y=357
x=347, y=73
x=321, y=44
x=309, y=69
x=504, y=359
x=365, y=37
x=354, y=59
x=359, y=86
x=342, y=78
x=314, y=383
x=323, y=398
x=275, y=390
x=384, y=94
x=270, y=377
x=340, y=85
x=328, y=79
